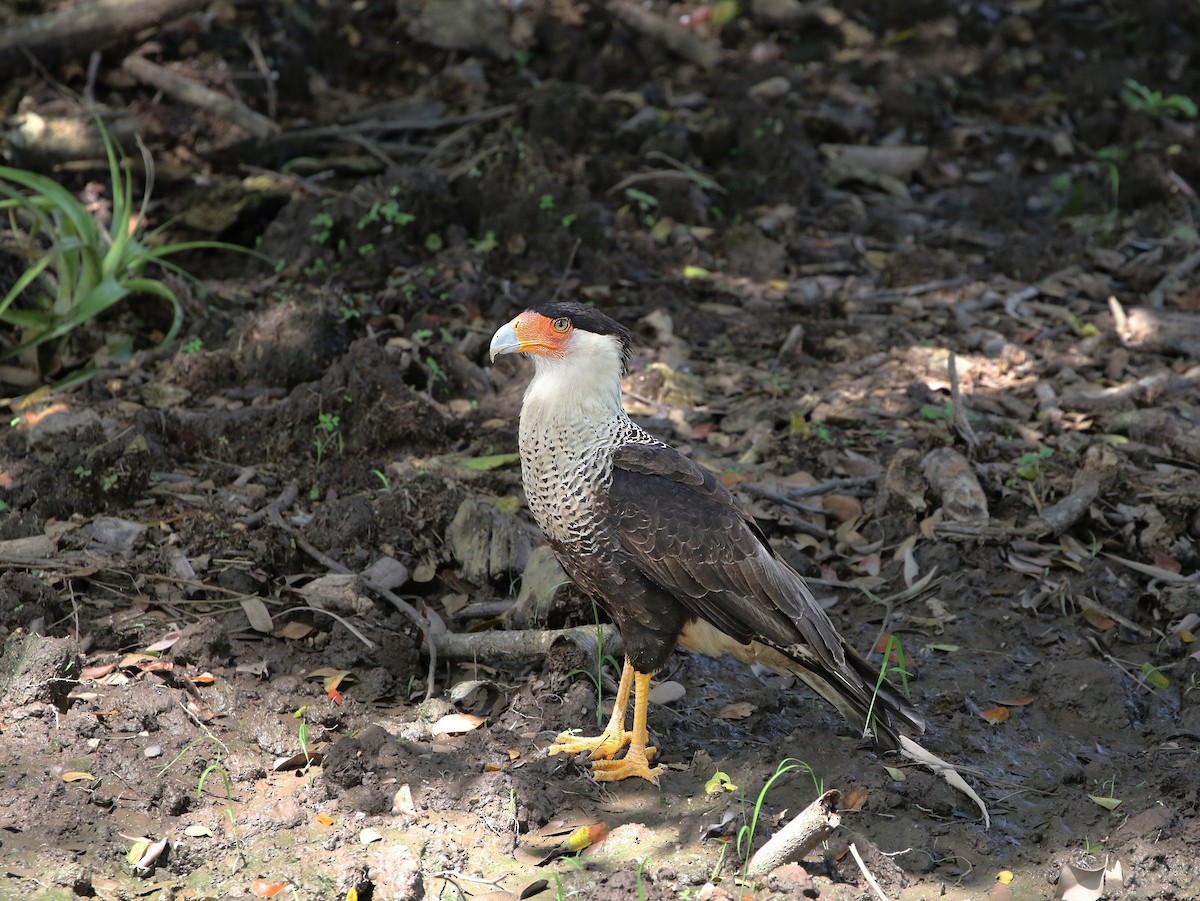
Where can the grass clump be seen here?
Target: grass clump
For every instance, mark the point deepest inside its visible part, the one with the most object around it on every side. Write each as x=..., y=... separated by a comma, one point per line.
x=78, y=266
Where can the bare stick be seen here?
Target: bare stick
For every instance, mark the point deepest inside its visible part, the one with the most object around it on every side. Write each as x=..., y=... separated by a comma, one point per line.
x=520, y=644
x=184, y=89
x=809, y=828
x=83, y=28
x=960, y=412
x=867, y=874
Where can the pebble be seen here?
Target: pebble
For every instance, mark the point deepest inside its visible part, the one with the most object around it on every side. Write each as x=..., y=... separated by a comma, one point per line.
x=153, y=751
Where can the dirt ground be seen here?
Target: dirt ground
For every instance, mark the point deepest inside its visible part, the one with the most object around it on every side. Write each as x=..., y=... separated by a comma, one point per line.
x=918, y=280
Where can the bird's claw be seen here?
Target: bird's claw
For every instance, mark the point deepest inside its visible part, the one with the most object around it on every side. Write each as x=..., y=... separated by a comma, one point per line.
x=602, y=747
x=632, y=764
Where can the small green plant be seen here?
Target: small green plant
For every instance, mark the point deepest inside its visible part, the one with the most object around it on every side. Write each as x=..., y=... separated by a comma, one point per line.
x=388, y=213
x=1032, y=466
x=329, y=434
x=745, y=836
x=641, y=888
x=80, y=268
x=83, y=472
x=1141, y=99
x=568, y=220
x=646, y=203
x=387, y=485
x=1112, y=156
x=546, y=202
x=893, y=648
x=597, y=677
x=323, y=225
x=194, y=346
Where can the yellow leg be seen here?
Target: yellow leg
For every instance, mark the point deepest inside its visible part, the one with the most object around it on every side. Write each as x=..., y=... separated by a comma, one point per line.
x=636, y=761
x=607, y=744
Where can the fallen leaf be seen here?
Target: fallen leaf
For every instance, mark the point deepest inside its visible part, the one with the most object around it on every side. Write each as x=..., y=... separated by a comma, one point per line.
x=855, y=798
x=995, y=715
x=258, y=615
x=197, y=831
x=368, y=835
x=896, y=774
x=78, y=777
x=1105, y=802
x=1024, y=701
x=491, y=461
x=456, y=724
x=719, y=782
x=261, y=888
x=739, y=710
x=1097, y=620
x=295, y=630
x=1154, y=677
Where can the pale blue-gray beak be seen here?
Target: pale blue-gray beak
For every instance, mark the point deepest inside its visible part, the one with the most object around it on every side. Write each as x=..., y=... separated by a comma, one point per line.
x=505, y=341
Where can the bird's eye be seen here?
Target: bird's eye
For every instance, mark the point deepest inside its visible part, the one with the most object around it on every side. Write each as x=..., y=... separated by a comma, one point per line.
x=561, y=324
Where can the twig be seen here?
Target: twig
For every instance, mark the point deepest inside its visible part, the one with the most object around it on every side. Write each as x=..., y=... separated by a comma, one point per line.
x=829, y=485
x=402, y=606
x=184, y=89
x=960, y=412
x=381, y=126
x=286, y=498
x=867, y=873
x=800, y=525
x=809, y=828
x=1158, y=294
x=522, y=644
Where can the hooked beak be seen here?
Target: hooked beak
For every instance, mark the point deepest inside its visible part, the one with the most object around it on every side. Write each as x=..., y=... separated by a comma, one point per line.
x=505, y=341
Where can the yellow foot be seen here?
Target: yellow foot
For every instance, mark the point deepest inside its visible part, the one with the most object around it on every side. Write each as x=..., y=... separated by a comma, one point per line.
x=634, y=763
x=602, y=747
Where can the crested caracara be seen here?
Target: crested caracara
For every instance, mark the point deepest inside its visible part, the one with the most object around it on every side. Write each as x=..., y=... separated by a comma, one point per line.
x=665, y=548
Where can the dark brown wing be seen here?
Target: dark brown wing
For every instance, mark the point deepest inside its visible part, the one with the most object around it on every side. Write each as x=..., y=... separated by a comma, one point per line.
x=691, y=536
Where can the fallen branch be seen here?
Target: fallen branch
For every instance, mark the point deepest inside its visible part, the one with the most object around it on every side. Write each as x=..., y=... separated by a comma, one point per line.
x=184, y=89
x=522, y=644
x=1100, y=469
x=678, y=40
x=809, y=828
x=80, y=29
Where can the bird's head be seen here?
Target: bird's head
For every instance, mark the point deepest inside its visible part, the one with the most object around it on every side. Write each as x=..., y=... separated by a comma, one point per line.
x=579, y=354
x=566, y=332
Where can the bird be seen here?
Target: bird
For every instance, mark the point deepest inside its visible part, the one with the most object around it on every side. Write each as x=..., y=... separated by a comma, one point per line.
x=671, y=555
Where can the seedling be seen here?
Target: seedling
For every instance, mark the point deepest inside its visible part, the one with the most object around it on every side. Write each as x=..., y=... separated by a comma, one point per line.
x=745, y=837
x=1032, y=466
x=329, y=433
x=1141, y=99
x=893, y=649
x=597, y=677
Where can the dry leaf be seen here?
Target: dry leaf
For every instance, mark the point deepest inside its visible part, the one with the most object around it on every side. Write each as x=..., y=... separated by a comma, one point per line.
x=74, y=776
x=855, y=798
x=739, y=710
x=258, y=615
x=456, y=724
x=996, y=715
